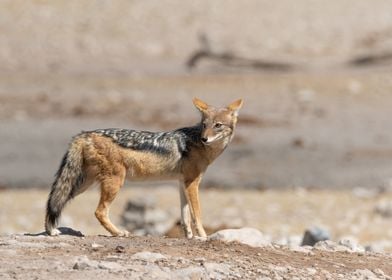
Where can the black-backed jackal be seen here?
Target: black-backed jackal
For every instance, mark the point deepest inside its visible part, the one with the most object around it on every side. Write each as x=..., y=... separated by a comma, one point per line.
x=109, y=156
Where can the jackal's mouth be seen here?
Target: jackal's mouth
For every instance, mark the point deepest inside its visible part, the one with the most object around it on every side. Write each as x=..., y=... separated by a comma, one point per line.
x=208, y=142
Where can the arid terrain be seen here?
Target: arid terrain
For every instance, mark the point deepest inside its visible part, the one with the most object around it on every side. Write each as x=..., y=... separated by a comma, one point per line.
x=313, y=148
x=100, y=257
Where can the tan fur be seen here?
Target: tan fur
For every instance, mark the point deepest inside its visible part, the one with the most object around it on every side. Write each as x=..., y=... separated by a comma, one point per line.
x=109, y=164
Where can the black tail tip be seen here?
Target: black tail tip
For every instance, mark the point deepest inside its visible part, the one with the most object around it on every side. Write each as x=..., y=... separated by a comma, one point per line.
x=51, y=219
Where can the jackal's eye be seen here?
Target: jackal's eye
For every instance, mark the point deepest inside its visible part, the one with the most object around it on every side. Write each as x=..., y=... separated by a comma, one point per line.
x=218, y=125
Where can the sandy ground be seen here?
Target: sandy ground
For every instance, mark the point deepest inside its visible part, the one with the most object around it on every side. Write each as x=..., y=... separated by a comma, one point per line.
x=98, y=257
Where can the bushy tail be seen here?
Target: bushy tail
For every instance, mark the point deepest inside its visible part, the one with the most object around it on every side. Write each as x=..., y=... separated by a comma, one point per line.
x=67, y=181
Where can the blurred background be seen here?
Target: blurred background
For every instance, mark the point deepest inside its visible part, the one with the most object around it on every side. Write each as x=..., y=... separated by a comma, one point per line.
x=314, y=139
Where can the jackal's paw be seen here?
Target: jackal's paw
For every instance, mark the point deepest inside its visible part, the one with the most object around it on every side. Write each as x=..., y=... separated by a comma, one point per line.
x=54, y=232
x=122, y=233
x=200, y=238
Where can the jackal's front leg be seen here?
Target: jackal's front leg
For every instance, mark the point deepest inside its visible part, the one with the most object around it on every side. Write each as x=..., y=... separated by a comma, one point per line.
x=185, y=213
x=192, y=195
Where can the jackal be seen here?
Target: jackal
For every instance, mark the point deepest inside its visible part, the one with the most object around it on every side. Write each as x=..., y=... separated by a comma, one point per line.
x=109, y=156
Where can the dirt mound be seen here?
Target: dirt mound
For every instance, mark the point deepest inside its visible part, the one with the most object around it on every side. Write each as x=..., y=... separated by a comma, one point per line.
x=97, y=257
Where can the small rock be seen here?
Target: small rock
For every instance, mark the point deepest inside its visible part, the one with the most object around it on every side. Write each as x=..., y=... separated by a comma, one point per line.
x=148, y=256
x=84, y=262
x=262, y=271
x=293, y=240
x=248, y=236
x=352, y=244
x=200, y=260
x=192, y=272
x=384, y=208
x=363, y=274
x=305, y=95
x=311, y=271
x=378, y=272
x=181, y=260
x=217, y=270
x=120, y=249
x=301, y=249
x=354, y=86
x=329, y=245
x=95, y=246
x=112, y=266
x=314, y=235
x=379, y=246
x=153, y=271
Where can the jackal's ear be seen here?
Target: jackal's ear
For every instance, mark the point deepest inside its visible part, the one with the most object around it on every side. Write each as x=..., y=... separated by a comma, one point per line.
x=235, y=106
x=200, y=105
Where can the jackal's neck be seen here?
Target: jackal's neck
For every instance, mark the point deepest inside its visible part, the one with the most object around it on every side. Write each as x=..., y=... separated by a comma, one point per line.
x=214, y=150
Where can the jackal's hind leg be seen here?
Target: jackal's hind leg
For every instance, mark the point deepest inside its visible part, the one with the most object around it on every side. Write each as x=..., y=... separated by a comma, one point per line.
x=185, y=213
x=109, y=190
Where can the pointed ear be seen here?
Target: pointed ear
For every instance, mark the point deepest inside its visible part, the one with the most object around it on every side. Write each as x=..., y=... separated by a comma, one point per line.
x=200, y=105
x=235, y=106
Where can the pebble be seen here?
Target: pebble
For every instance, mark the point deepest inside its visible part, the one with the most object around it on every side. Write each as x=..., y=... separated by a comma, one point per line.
x=352, y=244
x=314, y=235
x=96, y=245
x=192, y=272
x=311, y=271
x=363, y=274
x=384, y=208
x=248, y=236
x=83, y=262
x=112, y=266
x=148, y=256
x=329, y=245
x=301, y=249
x=217, y=270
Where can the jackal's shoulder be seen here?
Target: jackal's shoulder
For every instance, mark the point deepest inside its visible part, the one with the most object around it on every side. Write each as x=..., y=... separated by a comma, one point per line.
x=179, y=140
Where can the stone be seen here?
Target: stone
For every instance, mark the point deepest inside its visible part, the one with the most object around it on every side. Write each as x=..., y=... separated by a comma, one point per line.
x=314, y=235
x=96, y=246
x=352, y=244
x=301, y=249
x=379, y=246
x=148, y=256
x=365, y=192
x=120, y=249
x=311, y=271
x=217, y=270
x=363, y=274
x=191, y=272
x=84, y=262
x=248, y=236
x=384, y=208
x=292, y=240
x=112, y=266
x=329, y=245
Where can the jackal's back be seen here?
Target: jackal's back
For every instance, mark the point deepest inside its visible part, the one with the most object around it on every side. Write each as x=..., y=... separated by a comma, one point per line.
x=163, y=143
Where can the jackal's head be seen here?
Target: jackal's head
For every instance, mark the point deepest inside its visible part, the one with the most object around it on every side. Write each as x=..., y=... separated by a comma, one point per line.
x=218, y=124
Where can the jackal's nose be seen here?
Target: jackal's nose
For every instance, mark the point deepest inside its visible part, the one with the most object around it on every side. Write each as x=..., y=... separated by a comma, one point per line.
x=204, y=140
